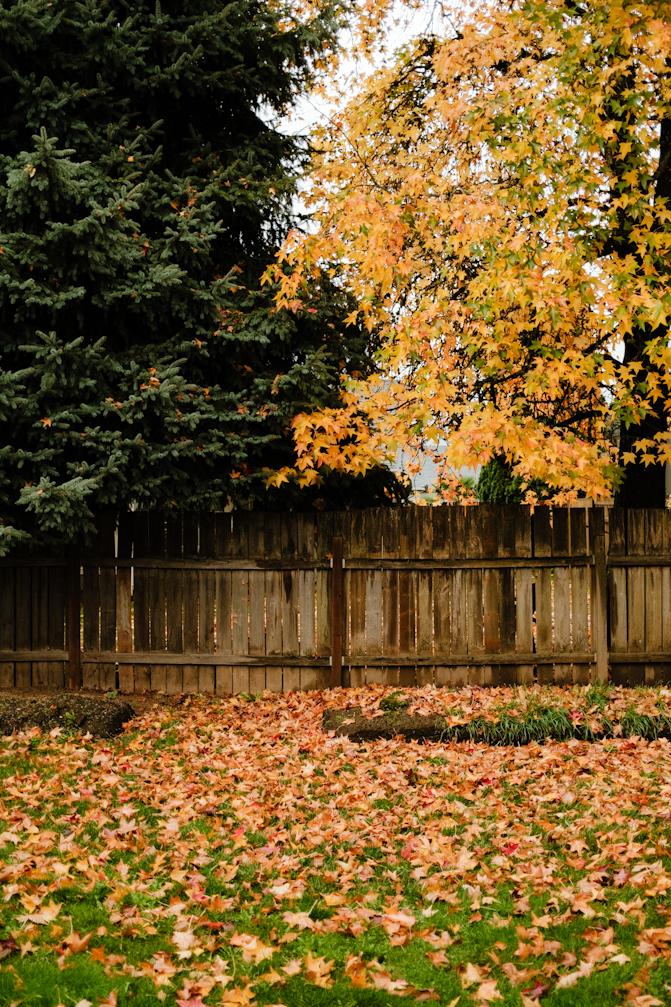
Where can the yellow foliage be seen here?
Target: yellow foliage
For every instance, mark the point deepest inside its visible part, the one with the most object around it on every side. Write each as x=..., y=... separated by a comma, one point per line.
x=489, y=200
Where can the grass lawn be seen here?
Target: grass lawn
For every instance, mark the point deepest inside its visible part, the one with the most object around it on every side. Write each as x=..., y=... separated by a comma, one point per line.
x=231, y=852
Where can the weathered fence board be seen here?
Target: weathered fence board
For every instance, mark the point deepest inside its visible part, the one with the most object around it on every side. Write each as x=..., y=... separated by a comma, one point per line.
x=239, y=602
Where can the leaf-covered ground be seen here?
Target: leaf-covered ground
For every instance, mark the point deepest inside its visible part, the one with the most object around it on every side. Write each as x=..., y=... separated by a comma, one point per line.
x=232, y=852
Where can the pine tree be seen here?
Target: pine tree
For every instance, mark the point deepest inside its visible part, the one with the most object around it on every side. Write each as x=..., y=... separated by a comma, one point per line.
x=144, y=190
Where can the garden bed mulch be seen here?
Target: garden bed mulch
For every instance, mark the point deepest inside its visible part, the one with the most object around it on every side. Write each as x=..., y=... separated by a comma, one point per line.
x=514, y=716
x=98, y=715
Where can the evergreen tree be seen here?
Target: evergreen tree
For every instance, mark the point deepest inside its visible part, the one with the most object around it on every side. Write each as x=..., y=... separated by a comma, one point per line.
x=497, y=484
x=144, y=189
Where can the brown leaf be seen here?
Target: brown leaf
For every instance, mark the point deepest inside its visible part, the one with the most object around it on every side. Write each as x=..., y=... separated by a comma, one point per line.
x=572, y=978
x=318, y=970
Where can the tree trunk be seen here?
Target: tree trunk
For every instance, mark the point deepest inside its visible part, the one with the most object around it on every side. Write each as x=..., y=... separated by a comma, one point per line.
x=644, y=485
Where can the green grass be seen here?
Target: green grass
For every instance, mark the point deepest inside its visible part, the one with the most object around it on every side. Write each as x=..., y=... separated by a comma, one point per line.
x=554, y=724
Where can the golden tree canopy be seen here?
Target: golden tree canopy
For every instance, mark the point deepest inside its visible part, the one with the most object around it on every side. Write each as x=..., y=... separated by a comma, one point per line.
x=498, y=201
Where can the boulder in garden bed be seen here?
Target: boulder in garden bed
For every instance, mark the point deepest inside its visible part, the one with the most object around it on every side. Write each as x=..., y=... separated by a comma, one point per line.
x=352, y=724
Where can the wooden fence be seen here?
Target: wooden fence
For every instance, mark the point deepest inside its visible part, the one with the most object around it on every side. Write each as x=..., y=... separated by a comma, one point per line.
x=241, y=602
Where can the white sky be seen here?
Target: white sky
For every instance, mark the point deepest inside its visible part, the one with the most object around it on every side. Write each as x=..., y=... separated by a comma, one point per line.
x=311, y=110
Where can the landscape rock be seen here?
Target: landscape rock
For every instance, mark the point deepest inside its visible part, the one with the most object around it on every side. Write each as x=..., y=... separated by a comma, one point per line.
x=351, y=723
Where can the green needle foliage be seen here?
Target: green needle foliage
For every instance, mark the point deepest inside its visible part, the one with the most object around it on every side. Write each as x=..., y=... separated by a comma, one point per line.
x=144, y=187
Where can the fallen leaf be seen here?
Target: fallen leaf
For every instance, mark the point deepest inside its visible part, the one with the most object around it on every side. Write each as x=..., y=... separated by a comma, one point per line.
x=318, y=970
x=572, y=978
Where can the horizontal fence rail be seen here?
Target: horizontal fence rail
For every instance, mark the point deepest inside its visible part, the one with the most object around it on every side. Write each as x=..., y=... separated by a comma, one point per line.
x=241, y=602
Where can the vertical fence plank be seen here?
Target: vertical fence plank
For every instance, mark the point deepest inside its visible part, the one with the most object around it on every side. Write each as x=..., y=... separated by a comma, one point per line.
x=124, y=601
x=357, y=584
x=90, y=619
x=441, y=583
x=137, y=677
x=636, y=528
x=190, y=534
x=407, y=644
x=174, y=604
x=74, y=626
x=580, y=579
x=156, y=585
x=372, y=532
x=380, y=537
x=524, y=594
x=223, y=674
x=489, y=528
x=274, y=588
x=407, y=594
x=289, y=602
x=445, y=637
x=476, y=541
x=191, y=547
x=206, y=601
x=190, y=678
x=561, y=595
x=105, y=547
x=260, y=600
x=391, y=583
x=307, y=586
x=578, y=531
x=492, y=599
x=459, y=590
x=599, y=593
x=653, y=545
x=206, y=587
x=506, y=520
x=7, y=625
x=524, y=623
x=562, y=623
x=155, y=676
x=617, y=593
x=39, y=600
x=636, y=600
x=337, y=612
x=524, y=533
x=482, y=538
x=374, y=624
x=190, y=530
x=240, y=601
x=561, y=536
x=424, y=600
x=327, y=526
x=665, y=521
x=542, y=539
x=507, y=625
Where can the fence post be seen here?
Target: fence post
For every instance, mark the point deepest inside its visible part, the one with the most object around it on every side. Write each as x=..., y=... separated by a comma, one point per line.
x=599, y=592
x=337, y=595
x=74, y=623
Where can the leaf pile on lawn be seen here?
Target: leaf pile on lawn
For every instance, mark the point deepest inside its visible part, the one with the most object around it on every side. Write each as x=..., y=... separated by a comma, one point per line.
x=233, y=853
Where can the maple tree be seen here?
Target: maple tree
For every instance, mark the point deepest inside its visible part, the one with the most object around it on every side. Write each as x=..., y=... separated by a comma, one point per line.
x=233, y=852
x=498, y=200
